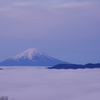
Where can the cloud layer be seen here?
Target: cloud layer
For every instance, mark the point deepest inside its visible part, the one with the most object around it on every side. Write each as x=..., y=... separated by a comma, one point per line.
x=34, y=83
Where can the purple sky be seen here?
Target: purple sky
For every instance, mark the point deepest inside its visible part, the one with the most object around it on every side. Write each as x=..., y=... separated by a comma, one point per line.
x=65, y=29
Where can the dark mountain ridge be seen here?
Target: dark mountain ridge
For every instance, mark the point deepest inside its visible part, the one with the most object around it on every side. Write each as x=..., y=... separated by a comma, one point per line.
x=75, y=66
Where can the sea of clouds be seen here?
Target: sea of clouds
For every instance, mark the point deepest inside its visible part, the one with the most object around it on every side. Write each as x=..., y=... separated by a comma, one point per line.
x=29, y=83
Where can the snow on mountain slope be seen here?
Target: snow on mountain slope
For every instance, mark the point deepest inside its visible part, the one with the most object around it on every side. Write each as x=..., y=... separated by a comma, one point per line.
x=31, y=54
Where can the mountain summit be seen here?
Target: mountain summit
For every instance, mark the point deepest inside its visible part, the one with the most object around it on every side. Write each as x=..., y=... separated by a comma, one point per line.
x=32, y=54
x=31, y=57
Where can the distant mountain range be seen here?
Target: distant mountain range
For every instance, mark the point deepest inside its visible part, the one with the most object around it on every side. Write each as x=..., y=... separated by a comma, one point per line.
x=74, y=66
x=32, y=57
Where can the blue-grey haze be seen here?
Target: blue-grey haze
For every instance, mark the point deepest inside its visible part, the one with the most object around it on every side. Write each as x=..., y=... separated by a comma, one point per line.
x=67, y=30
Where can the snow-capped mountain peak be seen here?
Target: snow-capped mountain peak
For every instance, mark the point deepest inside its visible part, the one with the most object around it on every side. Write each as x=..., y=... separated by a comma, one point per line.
x=31, y=57
x=29, y=53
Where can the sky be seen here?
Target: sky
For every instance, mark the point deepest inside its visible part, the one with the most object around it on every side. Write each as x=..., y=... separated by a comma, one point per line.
x=65, y=29
x=44, y=84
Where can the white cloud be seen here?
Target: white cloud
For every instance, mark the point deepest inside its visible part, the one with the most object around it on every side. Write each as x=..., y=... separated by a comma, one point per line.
x=43, y=9
x=75, y=4
x=26, y=4
x=32, y=83
x=64, y=19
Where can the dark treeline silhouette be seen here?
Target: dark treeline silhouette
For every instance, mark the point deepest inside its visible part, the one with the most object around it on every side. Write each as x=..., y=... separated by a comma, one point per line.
x=4, y=98
x=1, y=69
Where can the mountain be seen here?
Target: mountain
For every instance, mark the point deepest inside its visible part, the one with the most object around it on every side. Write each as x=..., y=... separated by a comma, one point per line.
x=75, y=66
x=31, y=57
